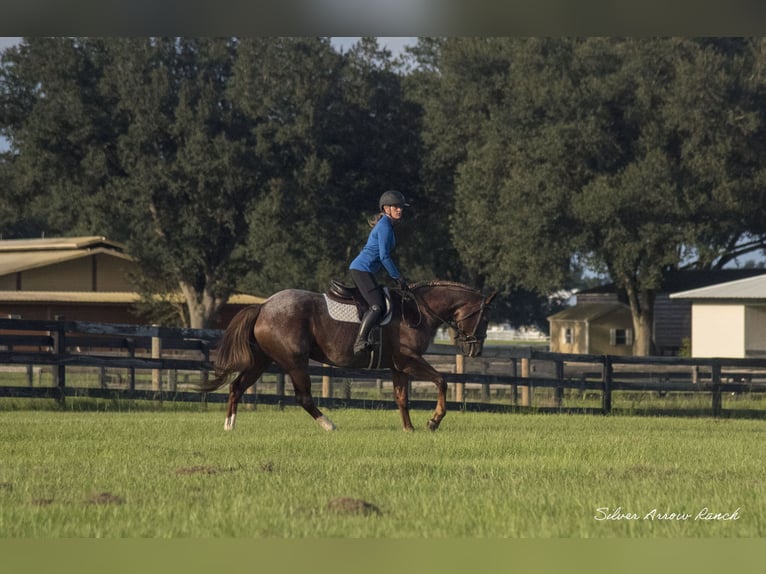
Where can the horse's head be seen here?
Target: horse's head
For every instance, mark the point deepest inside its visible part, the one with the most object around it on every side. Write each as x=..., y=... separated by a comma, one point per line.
x=470, y=325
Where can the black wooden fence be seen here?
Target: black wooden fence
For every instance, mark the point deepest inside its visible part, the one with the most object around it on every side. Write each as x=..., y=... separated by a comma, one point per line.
x=69, y=345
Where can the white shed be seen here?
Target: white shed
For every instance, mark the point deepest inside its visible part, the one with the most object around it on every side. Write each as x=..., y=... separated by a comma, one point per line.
x=728, y=319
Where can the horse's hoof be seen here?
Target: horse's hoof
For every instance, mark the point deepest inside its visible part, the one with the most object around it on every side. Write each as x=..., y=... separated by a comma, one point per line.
x=326, y=423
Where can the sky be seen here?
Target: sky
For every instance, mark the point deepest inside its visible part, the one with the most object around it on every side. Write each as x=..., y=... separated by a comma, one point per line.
x=394, y=43
x=6, y=42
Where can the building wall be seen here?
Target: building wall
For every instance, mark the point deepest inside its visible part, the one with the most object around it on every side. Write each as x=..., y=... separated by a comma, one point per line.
x=8, y=282
x=755, y=330
x=672, y=324
x=112, y=273
x=591, y=337
x=579, y=344
x=601, y=337
x=718, y=330
x=73, y=275
x=102, y=313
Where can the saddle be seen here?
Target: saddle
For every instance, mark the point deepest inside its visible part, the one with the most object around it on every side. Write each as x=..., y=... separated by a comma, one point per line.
x=345, y=303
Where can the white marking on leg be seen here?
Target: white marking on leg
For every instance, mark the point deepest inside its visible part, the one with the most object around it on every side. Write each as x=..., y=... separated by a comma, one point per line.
x=326, y=423
x=229, y=423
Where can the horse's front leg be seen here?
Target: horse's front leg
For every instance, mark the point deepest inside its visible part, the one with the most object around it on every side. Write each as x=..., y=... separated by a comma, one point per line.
x=419, y=369
x=441, y=403
x=401, y=395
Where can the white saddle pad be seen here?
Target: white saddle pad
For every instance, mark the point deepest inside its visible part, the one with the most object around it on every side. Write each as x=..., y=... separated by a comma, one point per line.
x=347, y=313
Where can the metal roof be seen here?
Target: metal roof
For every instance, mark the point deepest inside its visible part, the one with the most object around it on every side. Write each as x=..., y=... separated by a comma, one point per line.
x=57, y=243
x=743, y=289
x=17, y=255
x=588, y=311
x=17, y=261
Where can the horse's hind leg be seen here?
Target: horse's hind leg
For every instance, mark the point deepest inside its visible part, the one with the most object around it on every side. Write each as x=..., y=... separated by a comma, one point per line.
x=302, y=385
x=238, y=387
x=401, y=393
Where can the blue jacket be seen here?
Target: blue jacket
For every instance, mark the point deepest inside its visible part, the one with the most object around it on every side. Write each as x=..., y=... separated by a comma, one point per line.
x=377, y=252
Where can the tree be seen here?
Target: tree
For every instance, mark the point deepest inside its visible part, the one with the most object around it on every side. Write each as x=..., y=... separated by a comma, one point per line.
x=221, y=163
x=597, y=151
x=349, y=136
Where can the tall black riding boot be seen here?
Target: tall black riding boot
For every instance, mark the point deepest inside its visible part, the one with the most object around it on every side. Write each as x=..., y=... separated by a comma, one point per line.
x=369, y=320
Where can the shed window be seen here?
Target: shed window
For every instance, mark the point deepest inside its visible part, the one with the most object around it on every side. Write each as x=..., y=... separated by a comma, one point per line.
x=568, y=335
x=620, y=337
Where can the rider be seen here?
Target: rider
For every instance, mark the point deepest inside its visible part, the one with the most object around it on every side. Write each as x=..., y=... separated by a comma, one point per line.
x=374, y=255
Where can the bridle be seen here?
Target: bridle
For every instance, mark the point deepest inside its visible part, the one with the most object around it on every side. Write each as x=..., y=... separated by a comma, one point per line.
x=467, y=341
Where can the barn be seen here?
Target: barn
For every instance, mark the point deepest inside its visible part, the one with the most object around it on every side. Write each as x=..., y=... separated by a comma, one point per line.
x=604, y=328
x=728, y=319
x=80, y=278
x=672, y=317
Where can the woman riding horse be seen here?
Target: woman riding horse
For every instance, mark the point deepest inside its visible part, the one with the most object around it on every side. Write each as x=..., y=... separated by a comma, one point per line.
x=376, y=254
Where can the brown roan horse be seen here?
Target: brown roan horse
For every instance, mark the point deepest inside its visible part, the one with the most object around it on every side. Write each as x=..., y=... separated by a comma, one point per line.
x=293, y=326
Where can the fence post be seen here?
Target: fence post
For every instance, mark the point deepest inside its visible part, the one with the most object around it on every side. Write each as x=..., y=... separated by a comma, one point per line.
x=485, y=389
x=205, y=348
x=459, y=387
x=716, y=375
x=156, y=354
x=606, y=399
x=130, y=344
x=514, y=386
x=558, y=392
x=326, y=384
x=526, y=391
x=281, y=388
x=59, y=348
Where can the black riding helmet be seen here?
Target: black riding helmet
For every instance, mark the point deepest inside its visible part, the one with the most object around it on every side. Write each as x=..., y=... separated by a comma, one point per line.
x=392, y=197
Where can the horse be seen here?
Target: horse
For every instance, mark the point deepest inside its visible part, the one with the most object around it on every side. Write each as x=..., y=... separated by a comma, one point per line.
x=294, y=326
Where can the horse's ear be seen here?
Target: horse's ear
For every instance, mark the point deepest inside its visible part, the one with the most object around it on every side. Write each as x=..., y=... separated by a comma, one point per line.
x=489, y=298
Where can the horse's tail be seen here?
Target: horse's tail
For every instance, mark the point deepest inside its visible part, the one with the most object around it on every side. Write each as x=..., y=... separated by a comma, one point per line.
x=236, y=348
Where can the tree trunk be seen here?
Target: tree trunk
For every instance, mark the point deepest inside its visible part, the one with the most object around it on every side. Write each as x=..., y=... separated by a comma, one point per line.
x=203, y=307
x=642, y=310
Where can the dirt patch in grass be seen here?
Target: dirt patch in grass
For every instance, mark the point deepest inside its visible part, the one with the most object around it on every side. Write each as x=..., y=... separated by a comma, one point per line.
x=105, y=498
x=42, y=501
x=198, y=469
x=346, y=505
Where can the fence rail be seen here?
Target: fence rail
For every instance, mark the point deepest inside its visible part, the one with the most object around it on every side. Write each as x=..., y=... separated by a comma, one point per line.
x=67, y=345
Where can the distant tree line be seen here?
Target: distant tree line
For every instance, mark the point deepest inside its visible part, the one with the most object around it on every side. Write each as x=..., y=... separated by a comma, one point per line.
x=253, y=164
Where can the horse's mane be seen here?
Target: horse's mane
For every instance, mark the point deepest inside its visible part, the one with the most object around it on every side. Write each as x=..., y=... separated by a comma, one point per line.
x=440, y=283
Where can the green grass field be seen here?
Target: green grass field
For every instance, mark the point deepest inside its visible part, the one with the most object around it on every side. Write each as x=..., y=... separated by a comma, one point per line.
x=176, y=473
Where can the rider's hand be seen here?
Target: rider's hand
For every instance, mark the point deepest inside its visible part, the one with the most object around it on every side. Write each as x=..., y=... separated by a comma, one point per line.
x=402, y=282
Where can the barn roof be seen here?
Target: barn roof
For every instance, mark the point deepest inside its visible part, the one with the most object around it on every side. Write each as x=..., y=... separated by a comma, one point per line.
x=588, y=311
x=18, y=255
x=751, y=288
x=676, y=281
x=59, y=243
